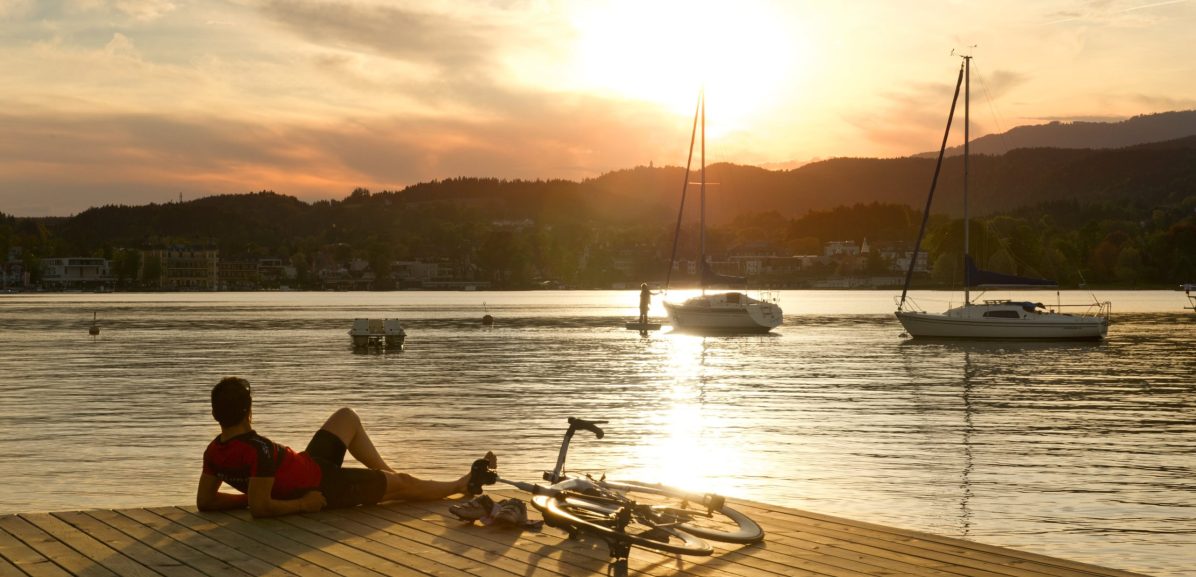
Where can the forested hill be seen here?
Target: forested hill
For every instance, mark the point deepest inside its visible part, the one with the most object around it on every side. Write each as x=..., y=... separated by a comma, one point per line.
x=1082, y=134
x=438, y=215
x=1157, y=173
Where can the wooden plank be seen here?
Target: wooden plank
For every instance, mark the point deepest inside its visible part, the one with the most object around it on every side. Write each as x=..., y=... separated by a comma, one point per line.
x=9, y=570
x=422, y=538
x=799, y=541
x=180, y=551
x=88, y=546
x=400, y=549
x=369, y=552
x=590, y=554
x=271, y=533
x=315, y=537
x=753, y=559
x=207, y=545
x=907, y=535
x=51, y=548
x=240, y=542
x=748, y=564
x=505, y=550
x=958, y=552
x=894, y=547
x=134, y=549
x=23, y=557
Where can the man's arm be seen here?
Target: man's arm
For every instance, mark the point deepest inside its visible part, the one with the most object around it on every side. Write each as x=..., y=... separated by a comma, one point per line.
x=209, y=498
x=261, y=504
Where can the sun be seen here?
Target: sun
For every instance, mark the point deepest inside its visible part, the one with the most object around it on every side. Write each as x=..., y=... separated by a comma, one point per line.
x=665, y=51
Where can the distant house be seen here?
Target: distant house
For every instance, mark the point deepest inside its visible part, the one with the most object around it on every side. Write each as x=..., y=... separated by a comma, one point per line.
x=774, y=266
x=440, y=274
x=273, y=271
x=12, y=271
x=414, y=272
x=75, y=272
x=898, y=257
x=238, y=274
x=840, y=248
x=181, y=267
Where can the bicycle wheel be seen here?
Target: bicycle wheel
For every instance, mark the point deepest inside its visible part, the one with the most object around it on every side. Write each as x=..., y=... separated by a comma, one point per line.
x=704, y=515
x=598, y=515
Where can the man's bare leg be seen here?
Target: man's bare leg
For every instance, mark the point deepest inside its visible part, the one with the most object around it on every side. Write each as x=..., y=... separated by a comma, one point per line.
x=346, y=425
x=408, y=488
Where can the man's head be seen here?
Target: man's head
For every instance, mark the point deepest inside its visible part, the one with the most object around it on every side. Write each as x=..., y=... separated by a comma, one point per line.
x=231, y=401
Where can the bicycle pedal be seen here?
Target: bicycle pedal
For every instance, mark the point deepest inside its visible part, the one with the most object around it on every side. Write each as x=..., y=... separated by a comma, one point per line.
x=481, y=474
x=715, y=502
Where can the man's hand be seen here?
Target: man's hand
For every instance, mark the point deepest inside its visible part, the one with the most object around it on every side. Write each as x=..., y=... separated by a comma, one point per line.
x=261, y=504
x=313, y=501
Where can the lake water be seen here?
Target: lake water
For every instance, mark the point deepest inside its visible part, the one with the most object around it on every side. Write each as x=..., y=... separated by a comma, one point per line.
x=1085, y=451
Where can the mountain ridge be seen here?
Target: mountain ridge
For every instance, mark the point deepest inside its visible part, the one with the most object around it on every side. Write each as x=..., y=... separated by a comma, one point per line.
x=1139, y=129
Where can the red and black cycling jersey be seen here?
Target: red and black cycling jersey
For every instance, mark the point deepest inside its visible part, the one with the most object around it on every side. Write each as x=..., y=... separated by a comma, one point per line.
x=249, y=454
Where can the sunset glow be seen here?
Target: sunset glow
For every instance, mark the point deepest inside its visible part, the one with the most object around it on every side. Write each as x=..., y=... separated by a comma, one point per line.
x=137, y=101
x=664, y=52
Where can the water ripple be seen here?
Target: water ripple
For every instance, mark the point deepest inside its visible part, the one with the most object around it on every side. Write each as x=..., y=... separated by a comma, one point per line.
x=1080, y=450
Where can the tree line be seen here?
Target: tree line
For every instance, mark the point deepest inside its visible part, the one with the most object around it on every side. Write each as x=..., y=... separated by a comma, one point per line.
x=517, y=234
x=1118, y=217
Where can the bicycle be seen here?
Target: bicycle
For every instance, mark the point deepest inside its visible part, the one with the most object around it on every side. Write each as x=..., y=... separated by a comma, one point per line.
x=628, y=513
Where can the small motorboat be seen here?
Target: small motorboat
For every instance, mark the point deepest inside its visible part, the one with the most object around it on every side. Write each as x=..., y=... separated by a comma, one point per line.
x=367, y=333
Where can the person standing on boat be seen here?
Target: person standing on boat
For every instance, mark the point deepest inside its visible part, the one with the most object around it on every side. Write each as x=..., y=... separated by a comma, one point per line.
x=645, y=303
x=275, y=480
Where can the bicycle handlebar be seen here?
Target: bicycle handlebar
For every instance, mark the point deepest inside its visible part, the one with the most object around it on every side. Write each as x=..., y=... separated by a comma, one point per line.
x=592, y=426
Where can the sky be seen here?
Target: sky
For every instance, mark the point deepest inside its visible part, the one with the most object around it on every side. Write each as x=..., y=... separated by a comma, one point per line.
x=138, y=101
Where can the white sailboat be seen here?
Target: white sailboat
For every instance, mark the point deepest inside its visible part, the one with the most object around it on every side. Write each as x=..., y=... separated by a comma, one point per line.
x=992, y=319
x=724, y=312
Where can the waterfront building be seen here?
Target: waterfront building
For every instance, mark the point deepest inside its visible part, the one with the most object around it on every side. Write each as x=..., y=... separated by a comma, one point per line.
x=189, y=268
x=75, y=273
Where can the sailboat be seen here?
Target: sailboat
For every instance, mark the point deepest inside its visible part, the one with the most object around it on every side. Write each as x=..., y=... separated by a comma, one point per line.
x=991, y=319
x=724, y=312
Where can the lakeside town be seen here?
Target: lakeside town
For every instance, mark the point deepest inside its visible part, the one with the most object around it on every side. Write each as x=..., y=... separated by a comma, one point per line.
x=840, y=264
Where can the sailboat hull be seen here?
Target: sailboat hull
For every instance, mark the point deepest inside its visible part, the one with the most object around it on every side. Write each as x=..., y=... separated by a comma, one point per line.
x=971, y=323
x=991, y=319
x=725, y=312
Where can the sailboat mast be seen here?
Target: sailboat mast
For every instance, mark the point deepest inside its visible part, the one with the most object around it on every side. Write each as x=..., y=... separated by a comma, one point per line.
x=702, y=218
x=938, y=167
x=967, y=93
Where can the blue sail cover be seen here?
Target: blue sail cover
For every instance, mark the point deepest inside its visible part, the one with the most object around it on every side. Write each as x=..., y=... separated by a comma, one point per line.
x=980, y=278
x=709, y=277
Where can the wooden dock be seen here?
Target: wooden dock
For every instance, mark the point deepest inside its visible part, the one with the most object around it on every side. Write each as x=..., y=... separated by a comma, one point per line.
x=423, y=539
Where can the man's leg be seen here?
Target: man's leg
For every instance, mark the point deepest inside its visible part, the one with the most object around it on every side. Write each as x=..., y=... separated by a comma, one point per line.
x=408, y=488
x=346, y=425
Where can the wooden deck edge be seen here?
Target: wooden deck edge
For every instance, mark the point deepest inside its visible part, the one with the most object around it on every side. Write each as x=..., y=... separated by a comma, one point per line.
x=424, y=539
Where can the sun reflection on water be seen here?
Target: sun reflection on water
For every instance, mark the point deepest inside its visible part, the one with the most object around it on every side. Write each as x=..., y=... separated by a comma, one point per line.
x=687, y=448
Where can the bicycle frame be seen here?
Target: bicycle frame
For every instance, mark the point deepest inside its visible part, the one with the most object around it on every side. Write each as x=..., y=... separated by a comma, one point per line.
x=574, y=425
x=557, y=474
x=608, y=510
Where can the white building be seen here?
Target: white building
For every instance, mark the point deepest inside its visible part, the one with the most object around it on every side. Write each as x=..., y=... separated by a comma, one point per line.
x=841, y=248
x=75, y=272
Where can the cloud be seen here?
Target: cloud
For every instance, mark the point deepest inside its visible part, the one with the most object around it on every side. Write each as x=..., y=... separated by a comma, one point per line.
x=999, y=83
x=454, y=45
x=908, y=118
x=144, y=10
x=55, y=164
x=120, y=46
x=15, y=9
x=1118, y=13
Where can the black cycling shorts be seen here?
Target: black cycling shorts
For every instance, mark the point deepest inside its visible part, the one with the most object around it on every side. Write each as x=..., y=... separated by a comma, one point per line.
x=343, y=487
